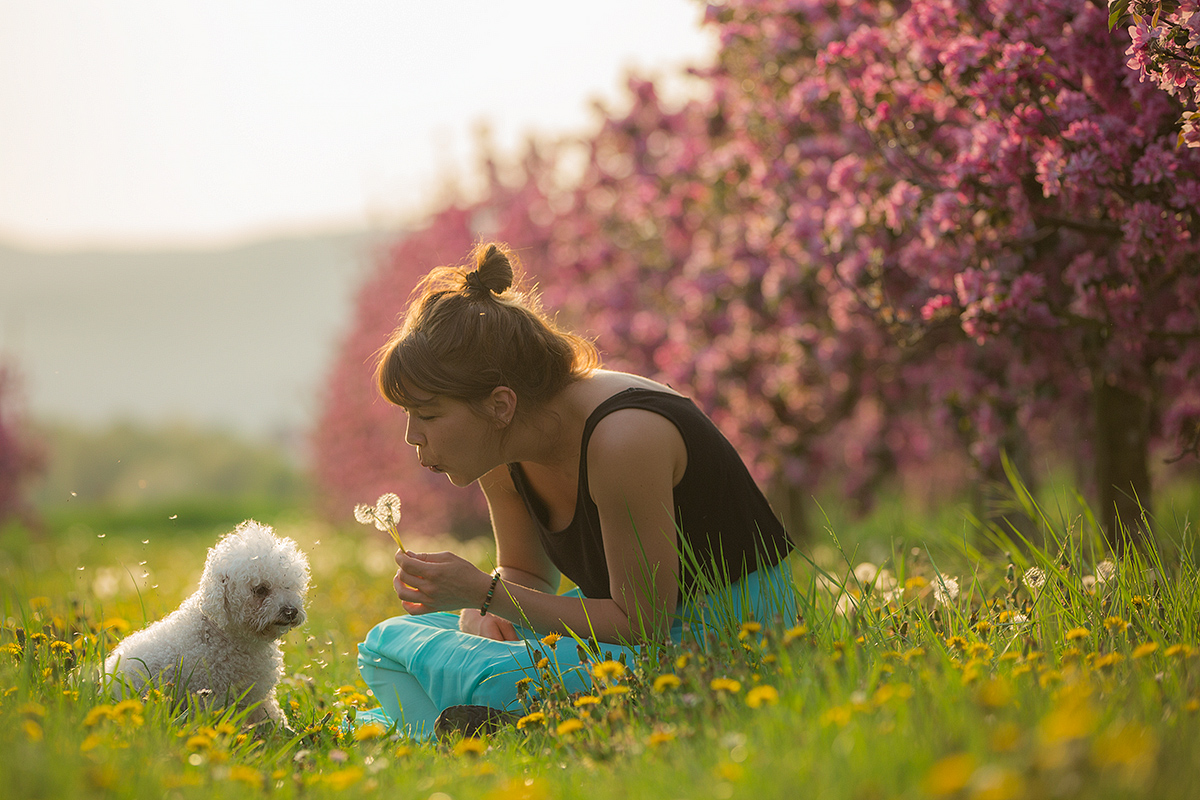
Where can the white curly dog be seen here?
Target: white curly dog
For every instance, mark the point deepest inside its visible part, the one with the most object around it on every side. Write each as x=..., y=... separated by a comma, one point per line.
x=221, y=644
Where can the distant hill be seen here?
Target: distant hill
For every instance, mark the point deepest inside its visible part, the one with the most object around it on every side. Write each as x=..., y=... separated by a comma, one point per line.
x=236, y=337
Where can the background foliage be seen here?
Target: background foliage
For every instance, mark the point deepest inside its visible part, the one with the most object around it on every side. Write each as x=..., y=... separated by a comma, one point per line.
x=893, y=238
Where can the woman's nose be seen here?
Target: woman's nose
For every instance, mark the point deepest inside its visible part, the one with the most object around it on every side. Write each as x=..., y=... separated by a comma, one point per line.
x=412, y=435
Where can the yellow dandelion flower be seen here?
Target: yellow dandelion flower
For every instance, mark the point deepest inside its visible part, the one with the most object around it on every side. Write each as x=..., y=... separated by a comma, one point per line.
x=91, y=743
x=1107, y=660
x=355, y=700
x=1144, y=649
x=1115, y=624
x=586, y=700
x=837, y=715
x=615, y=690
x=730, y=771
x=749, y=628
x=1192, y=705
x=347, y=689
x=130, y=706
x=979, y=650
x=608, y=670
x=225, y=729
x=115, y=624
x=949, y=775
x=543, y=662
x=1138, y=601
x=682, y=661
x=245, y=774
x=660, y=737
x=470, y=747
x=370, y=731
x=60, y=647
x=97, y=715
x=1048, y=676
x=725, y=685
x=33, y=731
x=956, y=643
x=1070, y=655
x=762, y=695
x=523, y=682
x=664, y=682
x=342, y=778
x=983, y=627
x=534, y=718
x=550, y=640
x=915, y=582
x=993, y=693
x=1075, y=634
x=1181, y=650
x=567, y=727
x=199, y=742
x=794, y=633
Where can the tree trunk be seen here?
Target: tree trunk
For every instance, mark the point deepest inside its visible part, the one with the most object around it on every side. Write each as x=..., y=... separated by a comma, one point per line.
x=1121, y=443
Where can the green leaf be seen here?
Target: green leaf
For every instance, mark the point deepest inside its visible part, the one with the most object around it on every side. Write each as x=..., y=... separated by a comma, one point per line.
x=1116, y=10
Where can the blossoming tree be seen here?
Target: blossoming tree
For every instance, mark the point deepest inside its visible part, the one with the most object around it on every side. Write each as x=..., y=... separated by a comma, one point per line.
x=891, y=229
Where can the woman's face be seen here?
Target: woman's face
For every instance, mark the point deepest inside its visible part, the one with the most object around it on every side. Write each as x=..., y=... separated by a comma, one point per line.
x=452, y=439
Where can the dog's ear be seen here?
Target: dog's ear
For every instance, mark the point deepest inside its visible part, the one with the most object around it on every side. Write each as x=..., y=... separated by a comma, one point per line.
x=214, y=598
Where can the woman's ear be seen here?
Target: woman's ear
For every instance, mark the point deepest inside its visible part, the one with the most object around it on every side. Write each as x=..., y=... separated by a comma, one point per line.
x=502, y=406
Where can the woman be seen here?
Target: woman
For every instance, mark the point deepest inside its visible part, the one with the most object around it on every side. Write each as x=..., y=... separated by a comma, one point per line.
x=613, y=480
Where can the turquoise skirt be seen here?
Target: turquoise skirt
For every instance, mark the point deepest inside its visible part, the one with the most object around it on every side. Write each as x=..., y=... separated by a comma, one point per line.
x=416, y=666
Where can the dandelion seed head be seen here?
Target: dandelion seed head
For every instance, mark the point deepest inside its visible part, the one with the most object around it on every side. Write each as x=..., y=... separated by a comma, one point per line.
x=1034, y=578
x=364, y=513
x=945, y=590
x=387, y=509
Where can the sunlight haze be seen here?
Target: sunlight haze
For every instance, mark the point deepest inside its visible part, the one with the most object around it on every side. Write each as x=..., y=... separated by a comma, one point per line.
x=152, y=123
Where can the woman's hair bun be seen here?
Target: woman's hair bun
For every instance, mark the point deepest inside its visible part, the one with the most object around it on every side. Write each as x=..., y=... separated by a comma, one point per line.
x=493, y=268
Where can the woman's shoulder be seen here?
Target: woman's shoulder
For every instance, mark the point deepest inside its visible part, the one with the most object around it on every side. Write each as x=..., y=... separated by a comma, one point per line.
x=603, y=384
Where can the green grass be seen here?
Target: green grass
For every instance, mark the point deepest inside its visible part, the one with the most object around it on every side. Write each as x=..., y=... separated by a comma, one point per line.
x=1015, y=687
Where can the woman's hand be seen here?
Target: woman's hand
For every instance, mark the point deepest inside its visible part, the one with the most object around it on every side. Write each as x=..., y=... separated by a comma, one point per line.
x=488, y=626
x=428, y=582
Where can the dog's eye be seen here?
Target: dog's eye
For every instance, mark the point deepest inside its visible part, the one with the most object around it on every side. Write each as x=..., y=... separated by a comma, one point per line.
x=262, y=590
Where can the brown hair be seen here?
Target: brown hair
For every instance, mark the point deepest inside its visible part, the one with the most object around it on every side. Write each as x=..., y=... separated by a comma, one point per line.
x=467, y=331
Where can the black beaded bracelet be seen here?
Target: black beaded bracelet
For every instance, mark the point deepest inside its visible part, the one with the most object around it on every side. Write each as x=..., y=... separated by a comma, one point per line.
x=487, y=601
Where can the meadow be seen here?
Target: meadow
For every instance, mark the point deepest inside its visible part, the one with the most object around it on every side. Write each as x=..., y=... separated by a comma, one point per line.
x=933, y=657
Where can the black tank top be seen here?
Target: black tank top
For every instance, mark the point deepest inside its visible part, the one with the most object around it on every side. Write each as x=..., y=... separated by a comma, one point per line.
x=729, y=527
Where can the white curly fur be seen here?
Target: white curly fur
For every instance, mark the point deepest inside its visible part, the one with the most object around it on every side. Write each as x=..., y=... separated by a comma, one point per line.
x=222, y=642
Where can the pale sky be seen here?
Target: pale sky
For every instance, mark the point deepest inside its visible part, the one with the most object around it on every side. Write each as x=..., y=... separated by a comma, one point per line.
x=167, y=122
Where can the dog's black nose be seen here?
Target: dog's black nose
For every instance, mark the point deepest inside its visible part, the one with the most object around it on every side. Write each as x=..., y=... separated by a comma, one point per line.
x=289, y=613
